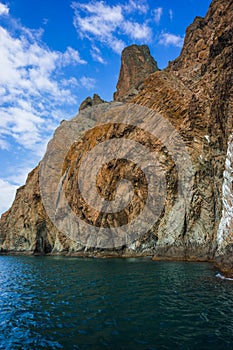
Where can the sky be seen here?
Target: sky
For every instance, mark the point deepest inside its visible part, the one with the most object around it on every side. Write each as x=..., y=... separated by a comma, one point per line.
x=53, y=54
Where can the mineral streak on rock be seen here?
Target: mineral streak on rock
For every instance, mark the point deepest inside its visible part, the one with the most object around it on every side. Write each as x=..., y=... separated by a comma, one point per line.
x=194, y=93
x=224, y=255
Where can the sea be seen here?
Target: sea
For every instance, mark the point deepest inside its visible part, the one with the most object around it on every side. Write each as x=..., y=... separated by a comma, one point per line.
x=78, y=303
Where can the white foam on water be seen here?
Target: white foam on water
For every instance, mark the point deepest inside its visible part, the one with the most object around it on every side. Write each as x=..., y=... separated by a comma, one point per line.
x=219, y=275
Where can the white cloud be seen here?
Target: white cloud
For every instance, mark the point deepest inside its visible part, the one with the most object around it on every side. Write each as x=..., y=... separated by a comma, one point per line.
x=4, y=145
x=139, y=6
x=9, y=185
x=137, y=31
x=168, y=39
x=116, y=45
x=45, y=21
x=171, y=14
x=111, y=14
x=157, y=13
x=31, y=92
x=35, y=94
x=71, y=56
x=99, y=21
x=96, y=55
x=70, y=82
x=7, y=194
x=88, y=83
x=4, y=10
x=19, y=174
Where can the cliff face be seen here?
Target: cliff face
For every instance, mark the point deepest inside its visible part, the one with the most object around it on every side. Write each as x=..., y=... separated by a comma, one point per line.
x=194, y=94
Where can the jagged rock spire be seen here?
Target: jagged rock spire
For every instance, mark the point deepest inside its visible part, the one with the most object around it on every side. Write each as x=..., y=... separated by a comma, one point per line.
x=136, y=64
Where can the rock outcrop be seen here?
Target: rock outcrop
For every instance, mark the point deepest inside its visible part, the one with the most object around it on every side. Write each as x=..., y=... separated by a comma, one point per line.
x=136, y=64
x=90, y=102
x=194, y=94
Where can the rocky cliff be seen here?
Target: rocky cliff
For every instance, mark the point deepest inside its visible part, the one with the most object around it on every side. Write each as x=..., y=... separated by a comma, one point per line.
x=194, y=95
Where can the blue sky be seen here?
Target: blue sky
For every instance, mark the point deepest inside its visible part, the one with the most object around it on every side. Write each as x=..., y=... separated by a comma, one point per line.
x=53, y=54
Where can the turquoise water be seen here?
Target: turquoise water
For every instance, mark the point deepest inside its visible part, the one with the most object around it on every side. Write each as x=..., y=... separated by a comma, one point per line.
x=71, y=303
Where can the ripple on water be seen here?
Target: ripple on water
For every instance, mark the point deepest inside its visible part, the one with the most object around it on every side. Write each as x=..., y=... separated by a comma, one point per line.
x=70, y=303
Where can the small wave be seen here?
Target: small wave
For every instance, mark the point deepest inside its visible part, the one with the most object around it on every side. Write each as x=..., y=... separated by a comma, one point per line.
x=223, y=277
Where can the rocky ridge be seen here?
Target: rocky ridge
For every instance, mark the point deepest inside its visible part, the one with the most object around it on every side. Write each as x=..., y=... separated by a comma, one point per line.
x=194, y=94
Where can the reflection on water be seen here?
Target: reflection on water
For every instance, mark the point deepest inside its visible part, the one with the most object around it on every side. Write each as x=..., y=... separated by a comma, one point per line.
x=71, y=303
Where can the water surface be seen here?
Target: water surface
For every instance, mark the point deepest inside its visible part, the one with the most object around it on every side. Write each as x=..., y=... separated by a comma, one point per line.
x=72, y=303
